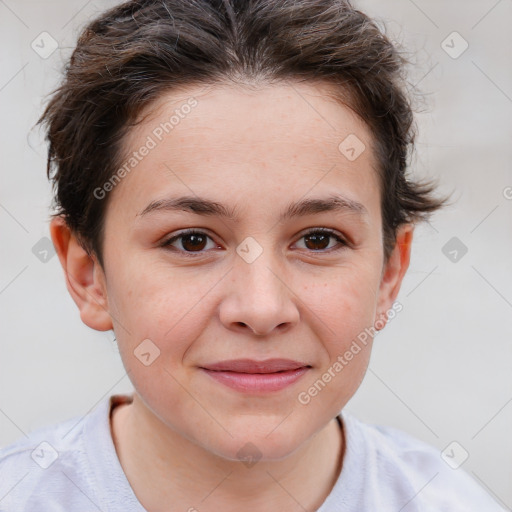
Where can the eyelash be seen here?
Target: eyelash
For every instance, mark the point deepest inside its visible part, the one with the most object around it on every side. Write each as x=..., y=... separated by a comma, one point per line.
x=333, y=234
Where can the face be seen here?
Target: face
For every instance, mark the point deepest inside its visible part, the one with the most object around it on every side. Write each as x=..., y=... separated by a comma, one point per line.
x=237, y=272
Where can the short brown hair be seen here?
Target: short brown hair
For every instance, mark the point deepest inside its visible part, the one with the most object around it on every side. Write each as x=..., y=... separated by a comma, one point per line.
x=131, y=54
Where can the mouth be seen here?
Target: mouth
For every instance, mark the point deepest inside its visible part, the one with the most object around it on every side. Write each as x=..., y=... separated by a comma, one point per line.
x=251, y=376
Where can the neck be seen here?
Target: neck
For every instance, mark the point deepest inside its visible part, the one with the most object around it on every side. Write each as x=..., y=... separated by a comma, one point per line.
x=163, y=467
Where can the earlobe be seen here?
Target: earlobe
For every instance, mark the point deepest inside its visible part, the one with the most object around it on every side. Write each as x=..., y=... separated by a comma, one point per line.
x=85, y=279
x=393, y=274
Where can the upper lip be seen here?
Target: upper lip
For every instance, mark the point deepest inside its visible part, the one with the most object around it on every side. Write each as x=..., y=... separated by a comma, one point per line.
x=253, y=366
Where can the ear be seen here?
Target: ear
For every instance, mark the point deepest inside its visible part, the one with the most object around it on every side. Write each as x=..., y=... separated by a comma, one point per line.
x=85, y=278
x=393, y=274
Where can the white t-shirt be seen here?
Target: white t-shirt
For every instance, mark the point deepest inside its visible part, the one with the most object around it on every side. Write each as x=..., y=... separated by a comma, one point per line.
x=73, y=467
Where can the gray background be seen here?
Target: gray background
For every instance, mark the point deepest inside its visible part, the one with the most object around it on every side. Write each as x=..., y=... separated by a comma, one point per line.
x=441, y=370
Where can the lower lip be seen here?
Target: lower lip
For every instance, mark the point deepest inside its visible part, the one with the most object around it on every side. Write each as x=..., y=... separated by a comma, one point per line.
x=257, y=382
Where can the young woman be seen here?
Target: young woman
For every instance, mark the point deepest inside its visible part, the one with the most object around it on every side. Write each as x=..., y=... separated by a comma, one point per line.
x=232, y=200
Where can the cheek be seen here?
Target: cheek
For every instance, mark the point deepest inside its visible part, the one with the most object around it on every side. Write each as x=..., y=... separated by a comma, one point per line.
x=167, y=307
x=347, y=341
x=344, y=309
x=156, y=321
x=345, y=304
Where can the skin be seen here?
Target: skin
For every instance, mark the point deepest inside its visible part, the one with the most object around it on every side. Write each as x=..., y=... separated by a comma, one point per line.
x=256, y=150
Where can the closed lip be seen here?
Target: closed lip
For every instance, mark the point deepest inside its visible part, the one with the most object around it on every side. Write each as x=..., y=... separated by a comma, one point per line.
x=254, y=366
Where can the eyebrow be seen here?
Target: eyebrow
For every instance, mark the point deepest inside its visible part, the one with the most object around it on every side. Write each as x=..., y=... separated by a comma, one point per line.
x=203, y=206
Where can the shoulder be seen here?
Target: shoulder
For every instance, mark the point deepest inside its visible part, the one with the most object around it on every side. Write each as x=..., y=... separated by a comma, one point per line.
x=48, y=465
x=42, y=447
x=417, y=473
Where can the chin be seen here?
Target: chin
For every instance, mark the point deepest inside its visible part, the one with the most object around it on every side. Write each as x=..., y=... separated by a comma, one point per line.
x=260, y=441
x=250, y=452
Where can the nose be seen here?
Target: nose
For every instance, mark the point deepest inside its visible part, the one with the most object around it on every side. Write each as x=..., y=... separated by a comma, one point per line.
x=258, y=298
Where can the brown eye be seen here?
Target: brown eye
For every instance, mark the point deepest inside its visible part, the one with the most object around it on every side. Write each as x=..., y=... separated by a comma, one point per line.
x=188, y=242
x=319, y=240
x=194, y=242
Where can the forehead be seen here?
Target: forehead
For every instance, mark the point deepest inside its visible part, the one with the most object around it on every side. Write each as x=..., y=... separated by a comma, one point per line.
x=267, y=143
x=300, y=113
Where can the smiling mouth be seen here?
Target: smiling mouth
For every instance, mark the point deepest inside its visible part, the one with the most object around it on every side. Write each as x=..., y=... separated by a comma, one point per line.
x=255, y=366
x=251, y=376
